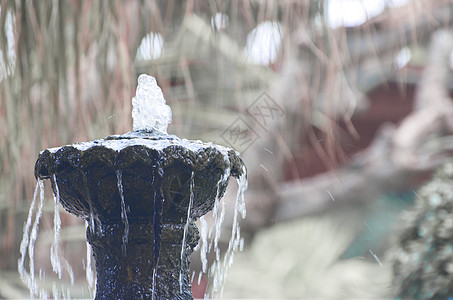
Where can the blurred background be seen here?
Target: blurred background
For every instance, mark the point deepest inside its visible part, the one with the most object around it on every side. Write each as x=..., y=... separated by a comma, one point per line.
x=340, y=109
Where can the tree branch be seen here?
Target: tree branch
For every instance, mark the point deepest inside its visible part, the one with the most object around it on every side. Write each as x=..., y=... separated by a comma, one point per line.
x=396, y=157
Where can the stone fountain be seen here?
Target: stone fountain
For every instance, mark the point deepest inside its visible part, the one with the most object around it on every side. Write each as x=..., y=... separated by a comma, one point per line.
x=140, y=194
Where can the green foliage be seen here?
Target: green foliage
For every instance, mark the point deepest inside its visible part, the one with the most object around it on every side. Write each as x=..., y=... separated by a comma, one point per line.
x=423, y=255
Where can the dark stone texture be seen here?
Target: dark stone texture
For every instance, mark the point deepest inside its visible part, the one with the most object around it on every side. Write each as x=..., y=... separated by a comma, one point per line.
x=156, y=187
x=131, y=276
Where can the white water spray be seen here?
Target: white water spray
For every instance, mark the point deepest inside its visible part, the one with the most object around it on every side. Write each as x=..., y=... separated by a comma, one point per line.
x=149, y=110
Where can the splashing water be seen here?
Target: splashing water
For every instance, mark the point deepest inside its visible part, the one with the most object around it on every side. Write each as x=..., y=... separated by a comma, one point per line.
x=28, y=245
x=219, y=269
x=210, y=236
x=149, y=110
x=28, y=242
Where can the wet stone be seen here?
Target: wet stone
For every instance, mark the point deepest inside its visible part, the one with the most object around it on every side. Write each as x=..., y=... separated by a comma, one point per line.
x=135, y=190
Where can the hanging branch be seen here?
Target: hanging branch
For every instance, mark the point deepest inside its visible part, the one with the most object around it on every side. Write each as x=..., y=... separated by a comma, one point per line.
x=398, y=155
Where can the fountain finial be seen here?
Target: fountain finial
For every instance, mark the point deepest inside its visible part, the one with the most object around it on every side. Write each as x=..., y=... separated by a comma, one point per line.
x=149, y=109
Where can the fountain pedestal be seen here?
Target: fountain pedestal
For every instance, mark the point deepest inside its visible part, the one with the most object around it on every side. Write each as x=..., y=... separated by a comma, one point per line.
x=140, y=193
x=131, y=276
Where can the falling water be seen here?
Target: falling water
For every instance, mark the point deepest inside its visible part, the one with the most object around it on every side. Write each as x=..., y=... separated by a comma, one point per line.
x=199, y=277
x=218, y=269
x=119, y=176
x=27, y=244
x=242, y=187
x=69, y=270
x=87, y=192
x=54, y=256
x=186, y=227
x=204, y=243
x=88, y=268
x=149, y=113
x=34, y=236
x=218, y=220
x=154, y=282
x=54, y=250
x=155, y=243
x=55, y=291
x=157, y=226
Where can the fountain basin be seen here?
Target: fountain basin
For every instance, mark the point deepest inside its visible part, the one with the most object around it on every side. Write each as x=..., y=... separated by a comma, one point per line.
x=140, y=194
x=150, y=164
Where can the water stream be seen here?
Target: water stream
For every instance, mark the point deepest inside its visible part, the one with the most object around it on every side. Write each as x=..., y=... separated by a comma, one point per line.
x=203, y=243
x=54, y=256
x=89, y=274
x=219, y=269
x=186, y=227
x=119, y=176
x=157, y=226
x=219, y=216
x=27, y=244
x=90, y=223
